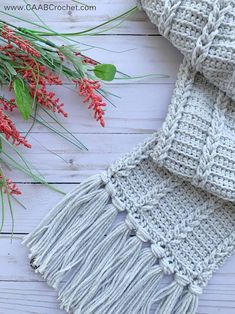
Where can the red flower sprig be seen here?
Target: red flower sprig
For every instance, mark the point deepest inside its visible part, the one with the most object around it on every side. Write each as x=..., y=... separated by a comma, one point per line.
x=86, y=59
x=35, y=74
x=8, y=105
x=88, y=89
x=19, y=41
x=8, y=128
x=10, y=131
x=11, y=187
x=38, y=79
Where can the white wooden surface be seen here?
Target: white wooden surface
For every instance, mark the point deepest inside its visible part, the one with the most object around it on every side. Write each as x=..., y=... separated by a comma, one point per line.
x=140, y=111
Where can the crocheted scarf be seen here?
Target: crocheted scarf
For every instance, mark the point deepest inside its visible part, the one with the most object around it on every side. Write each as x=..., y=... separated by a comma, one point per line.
x=173, y=196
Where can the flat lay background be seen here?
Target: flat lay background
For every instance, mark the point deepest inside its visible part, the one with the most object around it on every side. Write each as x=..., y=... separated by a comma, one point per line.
x=137, y=49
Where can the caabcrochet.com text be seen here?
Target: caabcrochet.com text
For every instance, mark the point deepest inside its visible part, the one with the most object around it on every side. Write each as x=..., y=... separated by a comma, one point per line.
x=50, y=7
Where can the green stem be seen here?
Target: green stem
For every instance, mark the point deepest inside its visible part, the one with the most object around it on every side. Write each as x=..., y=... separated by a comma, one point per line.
x=16, y=151
x=17, y=166
x=43, y=122
x=90, y=29
x=3, y=210
x=9, y=200
x=25, y=31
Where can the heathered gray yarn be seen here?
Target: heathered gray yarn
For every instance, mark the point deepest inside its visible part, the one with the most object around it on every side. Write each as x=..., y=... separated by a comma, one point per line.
x=197, y=139
x=175, y=192
x=204, y=31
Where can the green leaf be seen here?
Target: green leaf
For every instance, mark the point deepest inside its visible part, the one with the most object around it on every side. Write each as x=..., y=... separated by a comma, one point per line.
x=105, y=72
x=10, y=68
x=23, y=98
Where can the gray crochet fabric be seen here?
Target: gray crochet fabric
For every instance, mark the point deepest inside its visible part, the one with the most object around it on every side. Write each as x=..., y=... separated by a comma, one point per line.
x=198, y=136
x=204, y=31
x=174, y=194
x=197, y=140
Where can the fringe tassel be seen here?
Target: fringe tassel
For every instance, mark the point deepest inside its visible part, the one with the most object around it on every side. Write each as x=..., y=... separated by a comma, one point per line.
x=83, y=216
x=87, y=186
x=100, y=268
x=105, y=280
x=92, y=273
x=189, y=302
x=79, y=247
x=65, y=233
x=70, y=200
x=131, y=272
x=138, y=297
x=169, y=296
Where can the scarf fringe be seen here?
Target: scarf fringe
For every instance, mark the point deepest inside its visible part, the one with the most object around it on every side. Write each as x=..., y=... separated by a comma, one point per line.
x=99, y=267
x=169, y=296
x=189, y=302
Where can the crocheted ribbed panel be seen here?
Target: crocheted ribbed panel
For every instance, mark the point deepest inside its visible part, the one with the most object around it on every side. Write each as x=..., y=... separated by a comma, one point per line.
x=192, y=231
x=197, y=139
x=204, y=31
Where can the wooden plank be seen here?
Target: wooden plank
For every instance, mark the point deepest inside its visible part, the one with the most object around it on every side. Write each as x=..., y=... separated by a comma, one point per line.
x=37, y=297
x=14, y=264
x=141, y=109
x=36, y=202
x=78, y=20
x=27, y=298
x=70, y=165
x=22, y=290
x=136, y=55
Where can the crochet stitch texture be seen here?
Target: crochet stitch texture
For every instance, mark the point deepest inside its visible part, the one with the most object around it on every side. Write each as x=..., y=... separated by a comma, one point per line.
x=197, y=138
x=175, y=193
x=204, y=31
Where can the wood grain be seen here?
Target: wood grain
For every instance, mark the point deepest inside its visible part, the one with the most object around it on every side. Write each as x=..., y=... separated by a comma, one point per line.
x=74, y=21
x=29, y=294
x=141, y=109
x=137, y=50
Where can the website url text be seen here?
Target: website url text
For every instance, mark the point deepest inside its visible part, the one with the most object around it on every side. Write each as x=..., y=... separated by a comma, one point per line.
x=50, y=7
